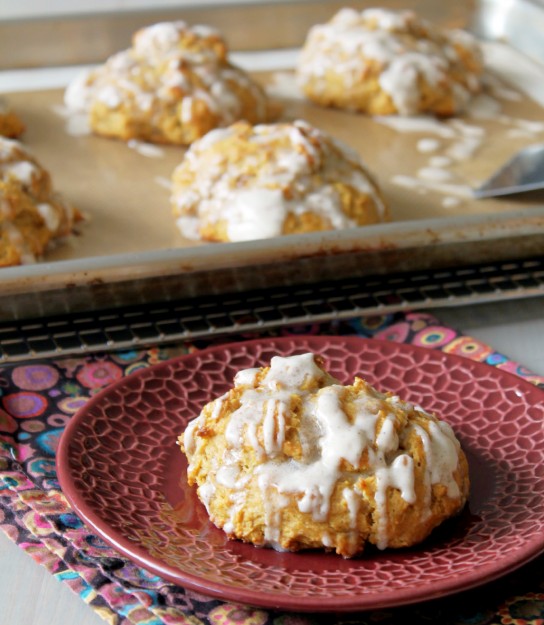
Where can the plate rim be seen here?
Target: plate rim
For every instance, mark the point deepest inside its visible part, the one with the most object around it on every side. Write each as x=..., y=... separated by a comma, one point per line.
x=262, y=599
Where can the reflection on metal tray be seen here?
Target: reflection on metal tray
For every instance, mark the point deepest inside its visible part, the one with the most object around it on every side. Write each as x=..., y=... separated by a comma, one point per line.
x=264, y=309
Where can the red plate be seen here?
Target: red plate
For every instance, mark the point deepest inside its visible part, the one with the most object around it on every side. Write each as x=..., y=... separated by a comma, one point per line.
x=121, y=470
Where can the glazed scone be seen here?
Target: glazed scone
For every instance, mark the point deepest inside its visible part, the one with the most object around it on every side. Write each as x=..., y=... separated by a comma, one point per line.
x=32, y=214
x=385, y=62
x=11, y=124
x=172, y=86
x=253, y=182
x=291, y=459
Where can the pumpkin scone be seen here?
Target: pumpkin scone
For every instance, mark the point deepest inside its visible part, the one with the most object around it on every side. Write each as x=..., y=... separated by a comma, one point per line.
x=291, y=459
x=32, y=214
x=254, y=182
x=172, y=86
x=385, y=62
x=11, y=125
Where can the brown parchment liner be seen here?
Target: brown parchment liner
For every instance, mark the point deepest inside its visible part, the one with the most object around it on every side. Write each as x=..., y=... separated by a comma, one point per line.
x=120, y=189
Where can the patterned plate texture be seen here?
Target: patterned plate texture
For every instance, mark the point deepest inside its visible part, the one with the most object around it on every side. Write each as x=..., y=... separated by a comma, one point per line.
x=122, y=471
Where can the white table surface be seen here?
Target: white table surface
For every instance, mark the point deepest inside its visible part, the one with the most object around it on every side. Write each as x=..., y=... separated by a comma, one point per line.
x=29, y=595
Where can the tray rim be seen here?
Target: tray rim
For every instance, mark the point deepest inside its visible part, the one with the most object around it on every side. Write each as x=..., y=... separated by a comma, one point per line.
x=374, y=239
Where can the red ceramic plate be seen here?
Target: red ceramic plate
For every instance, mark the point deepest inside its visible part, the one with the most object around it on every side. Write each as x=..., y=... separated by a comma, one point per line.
x=120, y=468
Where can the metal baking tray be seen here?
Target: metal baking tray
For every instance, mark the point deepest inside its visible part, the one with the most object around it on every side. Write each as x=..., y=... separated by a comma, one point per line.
x=261, y=310
x=74, y=281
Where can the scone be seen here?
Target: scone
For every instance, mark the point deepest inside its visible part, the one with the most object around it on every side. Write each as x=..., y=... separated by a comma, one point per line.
x=172, y=86
x=385, y=62
x=291, y=459
x=11, y=124
x=254, y=182
x=32, y=214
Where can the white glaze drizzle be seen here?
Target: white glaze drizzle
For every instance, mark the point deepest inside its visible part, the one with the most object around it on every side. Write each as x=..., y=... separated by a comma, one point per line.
x=353, y=503
x=50, y=216
x=163, y=39
x=434, y=174
x=284, y=85
x=18, y=166
x=417, y=124
x=440, y=161
x=23, y=171
x=410, y=182
x=467, y=130
x=246, y=377
x=8, y=147
x=464, y=149
x=164, y=182
x=406, y=49
x=256, y=206
x=158, y=67
x=256, y=214
x=441, y=453
x=400, y=475
x=17, y=240
x=145, y=149
x=450, y=202
x=483, y=106
x=427, y=145
x=328, y=438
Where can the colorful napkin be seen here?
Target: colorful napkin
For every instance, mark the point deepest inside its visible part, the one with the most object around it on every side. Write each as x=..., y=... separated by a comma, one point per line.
x=39, y=398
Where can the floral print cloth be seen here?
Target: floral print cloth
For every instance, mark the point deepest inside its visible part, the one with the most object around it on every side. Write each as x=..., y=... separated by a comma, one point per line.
x=38, y=399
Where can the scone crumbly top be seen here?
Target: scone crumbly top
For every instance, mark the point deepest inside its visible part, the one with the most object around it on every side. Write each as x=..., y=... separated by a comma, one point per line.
x=198, y=43
x=16, y=162
x=334, y=442
x=23, y=181
x=168, y=62
x=402, y=47
x=251, y=178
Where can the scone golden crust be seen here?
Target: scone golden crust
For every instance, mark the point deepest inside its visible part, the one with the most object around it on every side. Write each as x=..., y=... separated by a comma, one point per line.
x=172, y=86
x=32, y=214
x=385, y=62
x=10, y=123
x=291, y=459
x=254, y=182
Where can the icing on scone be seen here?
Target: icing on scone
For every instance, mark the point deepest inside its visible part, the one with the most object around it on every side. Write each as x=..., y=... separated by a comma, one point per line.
x=292, y=459
x=32, y=214
x=172, y=86
x=381, y=62
x=253, y=182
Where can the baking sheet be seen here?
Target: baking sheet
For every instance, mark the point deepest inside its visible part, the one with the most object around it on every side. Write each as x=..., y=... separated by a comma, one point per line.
x=129, y=245
x=123, y=189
